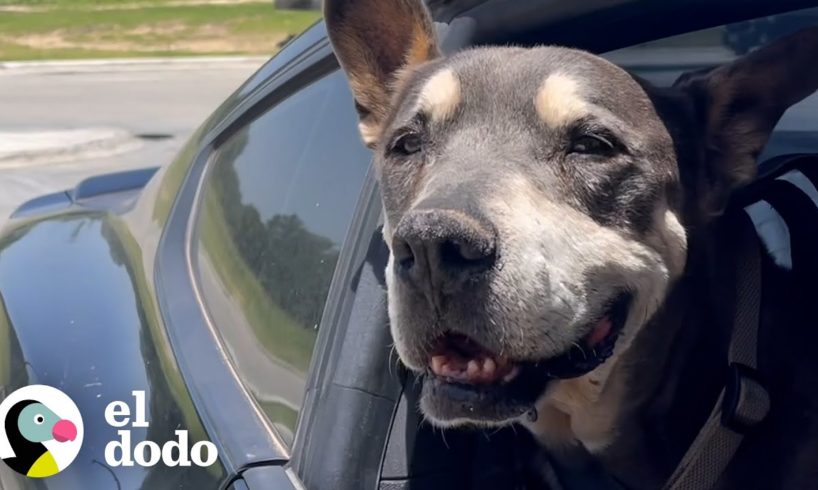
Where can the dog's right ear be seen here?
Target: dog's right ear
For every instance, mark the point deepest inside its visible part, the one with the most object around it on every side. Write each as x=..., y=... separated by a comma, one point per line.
x=741, y=102
x=376, y=41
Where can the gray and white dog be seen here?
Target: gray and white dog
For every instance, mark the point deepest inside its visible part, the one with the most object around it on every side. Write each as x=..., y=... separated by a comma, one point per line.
x=550, y=224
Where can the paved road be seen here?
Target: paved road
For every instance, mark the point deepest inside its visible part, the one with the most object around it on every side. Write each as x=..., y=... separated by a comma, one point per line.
x=149, y=98
x=60, y=103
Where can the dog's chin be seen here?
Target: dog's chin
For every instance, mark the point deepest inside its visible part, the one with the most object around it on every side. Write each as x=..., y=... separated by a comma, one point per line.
x=465, y=384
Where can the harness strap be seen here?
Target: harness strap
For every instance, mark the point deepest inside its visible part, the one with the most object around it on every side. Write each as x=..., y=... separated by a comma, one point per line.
x=744, y=402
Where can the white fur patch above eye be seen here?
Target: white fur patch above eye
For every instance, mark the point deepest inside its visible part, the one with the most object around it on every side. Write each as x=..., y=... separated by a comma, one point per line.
x=440, y=95
x=369, y=133
x=558, y=101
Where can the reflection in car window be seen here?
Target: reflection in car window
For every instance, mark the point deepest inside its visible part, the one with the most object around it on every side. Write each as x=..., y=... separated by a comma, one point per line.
x=662, y=61
x=276, y=206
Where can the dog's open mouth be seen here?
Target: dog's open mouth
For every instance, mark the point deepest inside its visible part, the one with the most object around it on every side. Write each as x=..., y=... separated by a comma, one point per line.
x=466, y=380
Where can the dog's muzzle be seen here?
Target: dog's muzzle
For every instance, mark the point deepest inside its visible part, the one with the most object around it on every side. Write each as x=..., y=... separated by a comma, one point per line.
x=465, y=381
x=444, y=261
x=438, y=250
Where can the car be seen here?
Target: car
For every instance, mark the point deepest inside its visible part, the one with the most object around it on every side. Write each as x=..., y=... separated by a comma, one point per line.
x=241, y=286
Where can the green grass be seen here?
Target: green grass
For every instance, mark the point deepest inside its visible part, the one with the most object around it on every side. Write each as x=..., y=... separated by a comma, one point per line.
x=66, y=29
x=279, y=334
x=90, y=3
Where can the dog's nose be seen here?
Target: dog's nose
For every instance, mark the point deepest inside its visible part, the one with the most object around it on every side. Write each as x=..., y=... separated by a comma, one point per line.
x=442, y=247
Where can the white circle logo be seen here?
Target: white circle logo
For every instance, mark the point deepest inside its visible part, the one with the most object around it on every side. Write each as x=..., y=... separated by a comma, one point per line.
x=40, y=431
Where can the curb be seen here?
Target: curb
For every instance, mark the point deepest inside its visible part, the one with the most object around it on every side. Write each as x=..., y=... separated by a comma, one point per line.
x=188, y=60
x=74, y=144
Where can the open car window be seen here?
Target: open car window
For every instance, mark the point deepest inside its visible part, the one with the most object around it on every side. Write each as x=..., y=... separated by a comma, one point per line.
x=275, y=209
x=662, y=61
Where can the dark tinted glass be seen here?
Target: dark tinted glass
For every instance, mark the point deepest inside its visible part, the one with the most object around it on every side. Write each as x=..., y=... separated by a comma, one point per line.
x=273, y=215
x=662, y=61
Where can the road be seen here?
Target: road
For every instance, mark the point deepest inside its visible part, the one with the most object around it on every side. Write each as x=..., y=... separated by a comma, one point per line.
x=61, y=105
x=149, y=98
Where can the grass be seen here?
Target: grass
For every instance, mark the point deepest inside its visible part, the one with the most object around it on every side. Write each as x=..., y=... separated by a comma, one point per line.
x=92, y=3
x=278, y=333
x=70, y=29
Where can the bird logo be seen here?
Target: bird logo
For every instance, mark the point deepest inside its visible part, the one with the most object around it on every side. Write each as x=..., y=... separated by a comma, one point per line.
x=43, y=431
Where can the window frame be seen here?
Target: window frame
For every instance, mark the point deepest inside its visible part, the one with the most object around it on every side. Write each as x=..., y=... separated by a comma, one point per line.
x=231, y=418
x=331, y=299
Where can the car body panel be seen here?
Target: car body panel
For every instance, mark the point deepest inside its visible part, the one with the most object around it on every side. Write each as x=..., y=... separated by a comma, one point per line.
x=90, y=254
x=91, y=260
x=114, y=192
x=80, y=310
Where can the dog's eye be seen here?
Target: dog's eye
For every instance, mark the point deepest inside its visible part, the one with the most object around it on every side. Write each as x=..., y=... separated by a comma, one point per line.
x=591, y=145
x=407, y=144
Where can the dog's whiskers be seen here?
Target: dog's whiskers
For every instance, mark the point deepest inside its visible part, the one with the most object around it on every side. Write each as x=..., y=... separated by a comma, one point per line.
x=584, y=354
x=393, y=351
x=443, y=436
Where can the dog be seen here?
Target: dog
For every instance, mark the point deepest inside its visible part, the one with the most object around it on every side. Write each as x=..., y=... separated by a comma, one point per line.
x=555, y=259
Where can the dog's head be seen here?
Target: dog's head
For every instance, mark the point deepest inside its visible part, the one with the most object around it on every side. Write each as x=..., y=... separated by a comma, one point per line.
x=538, y=201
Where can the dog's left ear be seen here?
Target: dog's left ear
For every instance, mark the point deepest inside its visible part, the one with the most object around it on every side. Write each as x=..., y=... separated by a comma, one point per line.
x=739, y=104
x=376, y=42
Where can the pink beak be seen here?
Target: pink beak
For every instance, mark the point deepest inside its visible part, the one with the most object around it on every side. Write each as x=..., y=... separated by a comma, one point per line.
x=64, y=430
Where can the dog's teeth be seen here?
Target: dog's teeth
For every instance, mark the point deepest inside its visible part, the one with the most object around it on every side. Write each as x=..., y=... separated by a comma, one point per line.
x=511, y=374
x=437, y=364
x=489, y=367
x=449, y=371
x=473, y=369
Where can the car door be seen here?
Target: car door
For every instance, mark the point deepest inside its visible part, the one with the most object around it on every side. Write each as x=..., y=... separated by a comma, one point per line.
x=258, y=227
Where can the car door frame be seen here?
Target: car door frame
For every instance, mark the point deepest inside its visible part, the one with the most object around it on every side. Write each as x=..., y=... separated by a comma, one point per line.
x=243, y=436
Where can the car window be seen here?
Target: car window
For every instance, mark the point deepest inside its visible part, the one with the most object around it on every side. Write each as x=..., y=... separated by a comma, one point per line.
x=662, y=61
x=273, y=214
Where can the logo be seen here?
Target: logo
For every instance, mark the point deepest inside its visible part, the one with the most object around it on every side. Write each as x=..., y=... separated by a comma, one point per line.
x=148, y=453
x=40, y=431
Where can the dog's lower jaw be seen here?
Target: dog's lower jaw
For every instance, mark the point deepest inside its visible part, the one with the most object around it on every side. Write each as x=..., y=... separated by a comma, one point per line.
x=586, y=411
x=582, y=411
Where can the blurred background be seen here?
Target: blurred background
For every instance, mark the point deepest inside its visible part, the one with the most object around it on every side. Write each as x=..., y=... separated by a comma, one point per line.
x=95, y=86
x=72, y=29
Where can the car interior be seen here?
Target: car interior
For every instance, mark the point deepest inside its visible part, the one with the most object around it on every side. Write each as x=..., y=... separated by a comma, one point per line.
x=356, y=382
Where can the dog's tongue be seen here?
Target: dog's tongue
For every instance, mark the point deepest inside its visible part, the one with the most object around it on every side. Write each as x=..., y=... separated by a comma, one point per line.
x=600, y=332
x=459, y=359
